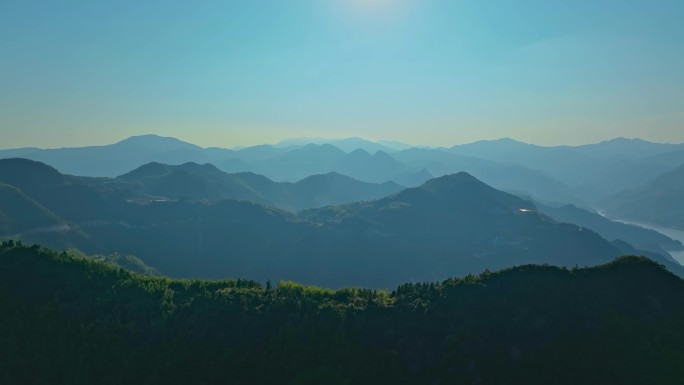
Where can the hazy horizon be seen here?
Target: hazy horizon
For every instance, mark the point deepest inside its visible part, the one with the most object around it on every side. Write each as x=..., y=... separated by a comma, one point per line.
x=431, y=72
x=319, y=139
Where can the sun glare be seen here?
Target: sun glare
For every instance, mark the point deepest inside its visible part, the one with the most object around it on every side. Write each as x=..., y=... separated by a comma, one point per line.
x=373, y=7
x=371, y=4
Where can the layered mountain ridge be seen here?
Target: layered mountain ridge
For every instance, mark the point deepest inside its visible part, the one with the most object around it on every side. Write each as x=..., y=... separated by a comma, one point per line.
x=451, y=225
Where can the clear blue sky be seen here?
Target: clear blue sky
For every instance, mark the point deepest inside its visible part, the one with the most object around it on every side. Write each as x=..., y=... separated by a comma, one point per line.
x=434, y=72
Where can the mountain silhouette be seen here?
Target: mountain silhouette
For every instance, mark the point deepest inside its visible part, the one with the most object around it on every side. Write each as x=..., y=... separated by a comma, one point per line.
x=659, y=202
x=118, y=158
x=302, y=162
x=334, y=188
x=508, y=177
x=206, y=182
x=379, y=167
x=345, y=144
x=593, y=171
x=640, y=238
x=452, y=225
x=66, y=196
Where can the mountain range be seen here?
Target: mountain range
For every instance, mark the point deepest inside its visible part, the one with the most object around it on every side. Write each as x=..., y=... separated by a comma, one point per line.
x=581, y=175
x=451, y=225
x=641, y=238
x=659, y=202
x=594, y=171
x=206, y=182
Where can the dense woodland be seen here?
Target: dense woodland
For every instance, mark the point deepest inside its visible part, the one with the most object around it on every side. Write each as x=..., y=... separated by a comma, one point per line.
x=69, y=319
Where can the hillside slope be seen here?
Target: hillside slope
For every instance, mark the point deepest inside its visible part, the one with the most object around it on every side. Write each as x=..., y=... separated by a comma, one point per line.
x=453, y=225
x=659, y=202
x=77, y=321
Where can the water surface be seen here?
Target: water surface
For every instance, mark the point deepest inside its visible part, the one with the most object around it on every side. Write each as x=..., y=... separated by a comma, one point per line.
x=672, y=233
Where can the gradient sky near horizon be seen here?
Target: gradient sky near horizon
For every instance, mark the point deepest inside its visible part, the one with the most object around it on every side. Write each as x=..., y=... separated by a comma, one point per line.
x=426, y=72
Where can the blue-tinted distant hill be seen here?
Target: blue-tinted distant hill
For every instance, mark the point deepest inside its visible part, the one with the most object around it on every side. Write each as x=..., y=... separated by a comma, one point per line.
x=659, y=202
x=114, y=159
x=594, y=170
x=640, y=238
x=334, y=188
x=258, y=153
x=377, y=167
x=86, y=198
x=206, y=182
x=627, y=148
x=581, y=175
x=451, y=225
x=301, y=162
x=504, y=176
x=510, y=150
x=347, y=144
x=671, y=159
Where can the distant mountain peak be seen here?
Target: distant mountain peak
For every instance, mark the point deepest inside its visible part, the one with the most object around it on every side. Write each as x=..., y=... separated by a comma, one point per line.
x=424, y=171
x=149, y=169
x=622, y=139
x=382, y=155
x=331, y=176
x=450, y=180
x=153, y=169
x=157, y=142
x=446, y=186
x=463, y=190
x=360, y=152
x=506, y=140
x=330, y=146
x=259, y=146
x=335, y=174
x=320, y=147
x=501, y=144
x=145, y=137
x=201, y=166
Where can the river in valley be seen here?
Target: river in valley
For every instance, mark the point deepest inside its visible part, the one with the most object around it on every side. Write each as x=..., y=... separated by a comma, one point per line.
x=672, y=233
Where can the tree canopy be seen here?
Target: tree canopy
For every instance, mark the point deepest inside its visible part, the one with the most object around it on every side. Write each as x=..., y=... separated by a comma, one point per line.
x=65, y=318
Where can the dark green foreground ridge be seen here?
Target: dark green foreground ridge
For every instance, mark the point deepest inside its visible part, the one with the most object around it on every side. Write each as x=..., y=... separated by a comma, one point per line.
x=70, y=320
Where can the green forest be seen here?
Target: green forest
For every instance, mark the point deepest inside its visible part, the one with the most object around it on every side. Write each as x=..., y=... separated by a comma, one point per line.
x=70, y=319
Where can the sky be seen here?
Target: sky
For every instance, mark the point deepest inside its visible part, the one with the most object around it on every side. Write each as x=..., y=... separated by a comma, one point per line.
x=426, y=72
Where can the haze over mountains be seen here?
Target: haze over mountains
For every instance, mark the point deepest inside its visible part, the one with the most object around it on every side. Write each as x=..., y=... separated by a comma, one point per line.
x=375, y=217
x=194, y=220
x=209, y=212
x=321, y=254
x=639, y=237
x=206, y=182
x=660, y=201
x=563, y=174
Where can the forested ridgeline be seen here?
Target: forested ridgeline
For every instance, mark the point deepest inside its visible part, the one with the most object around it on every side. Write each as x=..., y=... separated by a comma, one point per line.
x=66, y=319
